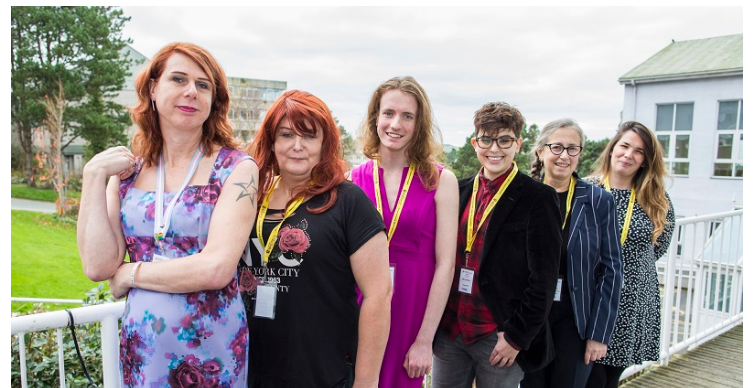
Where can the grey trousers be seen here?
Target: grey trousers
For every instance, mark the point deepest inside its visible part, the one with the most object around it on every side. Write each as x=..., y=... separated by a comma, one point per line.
x=457, y=365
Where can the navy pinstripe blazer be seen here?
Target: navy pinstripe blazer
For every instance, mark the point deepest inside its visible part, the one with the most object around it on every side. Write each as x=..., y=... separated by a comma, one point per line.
x=594, y=272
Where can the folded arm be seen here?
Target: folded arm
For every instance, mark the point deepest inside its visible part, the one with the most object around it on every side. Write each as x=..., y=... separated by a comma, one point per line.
x=214, y=267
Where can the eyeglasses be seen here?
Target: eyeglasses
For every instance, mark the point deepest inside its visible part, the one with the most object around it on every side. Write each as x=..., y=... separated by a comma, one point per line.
x=503, y=142
x=557, y=149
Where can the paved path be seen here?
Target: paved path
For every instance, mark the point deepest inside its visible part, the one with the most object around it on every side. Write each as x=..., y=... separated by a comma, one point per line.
x=34, y=206
x=716, y=363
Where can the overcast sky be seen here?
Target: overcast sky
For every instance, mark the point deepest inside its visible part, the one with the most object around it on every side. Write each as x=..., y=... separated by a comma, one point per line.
x=549, y=62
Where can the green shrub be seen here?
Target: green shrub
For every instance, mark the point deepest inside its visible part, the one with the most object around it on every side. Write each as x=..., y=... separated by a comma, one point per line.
x=17, y=177
x=17, y=157
x=42, y=351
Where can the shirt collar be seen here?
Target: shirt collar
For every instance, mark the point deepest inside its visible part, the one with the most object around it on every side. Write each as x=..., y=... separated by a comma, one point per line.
x=495, y=184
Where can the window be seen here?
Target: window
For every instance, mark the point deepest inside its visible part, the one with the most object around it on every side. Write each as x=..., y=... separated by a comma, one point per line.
x=713, y=226
x=729, y=140
x=674, y=122
x=717, y=296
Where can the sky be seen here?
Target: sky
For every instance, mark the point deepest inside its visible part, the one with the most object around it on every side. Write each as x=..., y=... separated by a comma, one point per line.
x=549, y=62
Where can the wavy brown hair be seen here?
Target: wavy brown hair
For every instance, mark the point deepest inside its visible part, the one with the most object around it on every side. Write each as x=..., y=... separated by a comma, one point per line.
x=301, y=108
x=649, y=180
x=148, y=140
x=425, y=148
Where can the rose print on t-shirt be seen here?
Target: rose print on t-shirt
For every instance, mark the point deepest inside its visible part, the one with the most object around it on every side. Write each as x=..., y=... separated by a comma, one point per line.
x=247, y=280
x=293, y=241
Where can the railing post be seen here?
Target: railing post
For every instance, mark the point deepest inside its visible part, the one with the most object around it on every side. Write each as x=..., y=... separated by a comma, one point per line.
x=110, y=352
x=667, y=302
x=22, y=358
x=61, y=358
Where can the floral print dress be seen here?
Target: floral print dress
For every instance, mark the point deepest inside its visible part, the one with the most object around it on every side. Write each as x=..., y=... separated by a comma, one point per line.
x=199, y=339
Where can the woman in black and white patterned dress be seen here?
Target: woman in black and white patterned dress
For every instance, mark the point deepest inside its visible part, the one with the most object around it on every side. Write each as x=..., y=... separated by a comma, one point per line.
x=632, y=168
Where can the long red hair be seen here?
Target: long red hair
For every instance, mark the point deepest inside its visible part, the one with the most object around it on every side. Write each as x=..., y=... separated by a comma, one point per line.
x=148, y=140
x=300, y=108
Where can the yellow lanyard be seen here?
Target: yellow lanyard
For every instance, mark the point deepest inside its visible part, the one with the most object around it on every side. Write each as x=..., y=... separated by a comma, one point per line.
x=263, y=213
x=570, y=192
x=471, y=232
x=400, y=201
x=628, y=215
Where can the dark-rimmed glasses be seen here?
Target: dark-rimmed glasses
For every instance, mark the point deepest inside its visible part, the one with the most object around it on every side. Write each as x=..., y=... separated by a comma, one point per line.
x=557, y=149
x=503, y=142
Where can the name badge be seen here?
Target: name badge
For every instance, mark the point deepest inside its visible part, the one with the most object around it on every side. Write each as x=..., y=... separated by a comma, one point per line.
x=392, y=274
x=558, y=291
x=466, y=281
x=157, y=257
x=266, y=300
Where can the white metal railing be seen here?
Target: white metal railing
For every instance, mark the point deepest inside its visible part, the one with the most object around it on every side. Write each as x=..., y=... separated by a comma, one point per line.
x=107, y=314
x=45, y=300
x=702, y=277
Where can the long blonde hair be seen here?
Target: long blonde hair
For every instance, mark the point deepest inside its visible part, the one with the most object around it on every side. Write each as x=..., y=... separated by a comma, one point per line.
x=649, y=180
x=425, y=148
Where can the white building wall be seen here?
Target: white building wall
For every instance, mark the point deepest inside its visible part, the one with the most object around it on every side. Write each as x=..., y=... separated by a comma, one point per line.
x=698, y=193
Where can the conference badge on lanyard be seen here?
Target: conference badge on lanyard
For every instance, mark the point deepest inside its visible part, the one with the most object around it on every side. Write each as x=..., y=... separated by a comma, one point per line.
x=266, y=299
x=465, y=285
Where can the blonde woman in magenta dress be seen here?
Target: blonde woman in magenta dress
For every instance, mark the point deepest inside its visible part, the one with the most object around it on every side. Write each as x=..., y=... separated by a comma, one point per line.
x=403, y=146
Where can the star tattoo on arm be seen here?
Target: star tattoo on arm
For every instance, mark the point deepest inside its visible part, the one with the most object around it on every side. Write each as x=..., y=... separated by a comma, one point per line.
x=248, y=190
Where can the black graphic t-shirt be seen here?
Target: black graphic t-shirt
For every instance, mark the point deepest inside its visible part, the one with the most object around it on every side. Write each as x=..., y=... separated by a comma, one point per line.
x=314, y=333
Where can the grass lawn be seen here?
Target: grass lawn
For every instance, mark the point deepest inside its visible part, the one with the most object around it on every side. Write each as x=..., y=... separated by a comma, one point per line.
x=44, y=258
x=49, y=195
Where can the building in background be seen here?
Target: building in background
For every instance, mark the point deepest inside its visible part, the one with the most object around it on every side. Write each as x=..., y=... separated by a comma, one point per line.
x=249, y=101
x=691, y=95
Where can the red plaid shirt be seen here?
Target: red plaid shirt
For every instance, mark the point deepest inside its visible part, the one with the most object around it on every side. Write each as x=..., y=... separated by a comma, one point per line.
x=468, y=314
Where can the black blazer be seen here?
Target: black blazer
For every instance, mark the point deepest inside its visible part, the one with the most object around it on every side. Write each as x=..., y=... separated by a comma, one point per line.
x=520, y=265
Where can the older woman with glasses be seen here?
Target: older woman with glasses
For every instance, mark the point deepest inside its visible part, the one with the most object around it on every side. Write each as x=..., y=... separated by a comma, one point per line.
x=584, y=312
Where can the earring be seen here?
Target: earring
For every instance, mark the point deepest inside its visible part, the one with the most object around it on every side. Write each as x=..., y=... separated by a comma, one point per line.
x=154, y=108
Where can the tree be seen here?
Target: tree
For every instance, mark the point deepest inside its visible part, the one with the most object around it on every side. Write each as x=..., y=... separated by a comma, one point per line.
x=55, y=109
x=80, y=48
x=523, y=158
x=348, y=145
x=591, y=152
x=463, y=161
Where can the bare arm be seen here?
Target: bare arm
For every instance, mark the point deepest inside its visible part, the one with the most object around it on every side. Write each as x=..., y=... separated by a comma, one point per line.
x=101, y=244
x=371, y=270
x=418, y=359
x=214, y=267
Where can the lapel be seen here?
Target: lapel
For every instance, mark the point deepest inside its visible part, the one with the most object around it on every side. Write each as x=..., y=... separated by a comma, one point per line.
x=466, y=189
x=577, y=213
x=500, y=213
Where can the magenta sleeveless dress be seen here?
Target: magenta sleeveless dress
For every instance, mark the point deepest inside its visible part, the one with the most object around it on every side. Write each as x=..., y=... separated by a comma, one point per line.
x=413, y=259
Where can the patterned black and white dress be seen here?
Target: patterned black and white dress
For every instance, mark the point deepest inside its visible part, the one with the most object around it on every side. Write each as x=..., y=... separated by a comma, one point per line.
x=636, y=334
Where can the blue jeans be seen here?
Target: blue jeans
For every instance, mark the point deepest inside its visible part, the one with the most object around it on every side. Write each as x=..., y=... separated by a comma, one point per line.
x=457, y=364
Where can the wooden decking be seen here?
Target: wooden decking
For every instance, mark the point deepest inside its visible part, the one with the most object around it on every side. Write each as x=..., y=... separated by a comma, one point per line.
x=716, y=363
